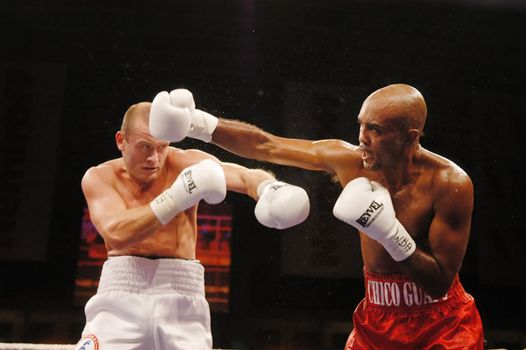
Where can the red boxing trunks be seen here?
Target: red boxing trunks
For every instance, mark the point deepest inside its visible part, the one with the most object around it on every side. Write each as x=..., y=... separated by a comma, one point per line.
x=397, y=314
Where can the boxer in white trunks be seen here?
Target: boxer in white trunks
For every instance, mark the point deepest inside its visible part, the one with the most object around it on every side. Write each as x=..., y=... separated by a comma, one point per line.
x=144, y=204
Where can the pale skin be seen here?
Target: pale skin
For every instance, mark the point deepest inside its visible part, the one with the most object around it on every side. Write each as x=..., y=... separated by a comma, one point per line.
x=432, y=196
x=118, y=193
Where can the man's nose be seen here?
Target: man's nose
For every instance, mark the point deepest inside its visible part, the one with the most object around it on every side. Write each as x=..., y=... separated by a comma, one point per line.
x=153, y=156
x=363, y=138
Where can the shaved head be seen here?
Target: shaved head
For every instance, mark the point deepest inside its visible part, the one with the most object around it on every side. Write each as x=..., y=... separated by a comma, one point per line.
x=402, y=103
x=136, y=113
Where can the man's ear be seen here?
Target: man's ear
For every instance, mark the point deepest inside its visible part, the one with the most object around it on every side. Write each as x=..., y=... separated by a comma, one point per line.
x=119, y=140
x=413, y=136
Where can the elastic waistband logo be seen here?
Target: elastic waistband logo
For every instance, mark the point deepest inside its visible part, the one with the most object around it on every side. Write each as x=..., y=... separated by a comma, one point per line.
x=398, y=294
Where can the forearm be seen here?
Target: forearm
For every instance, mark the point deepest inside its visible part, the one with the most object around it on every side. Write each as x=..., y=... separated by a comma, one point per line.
x=279, y=205
x=425, y=270
x=130, y=227
x=240, y=138
x=253, y=178
x=244, y=180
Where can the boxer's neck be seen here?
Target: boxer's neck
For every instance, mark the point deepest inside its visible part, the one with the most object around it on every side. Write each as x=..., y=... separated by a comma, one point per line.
x=405, y=172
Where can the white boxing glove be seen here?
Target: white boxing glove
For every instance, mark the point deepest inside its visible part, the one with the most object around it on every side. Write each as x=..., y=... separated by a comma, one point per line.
x=168, y=122
x=281, y=205
x=203, y=124
x=204, y=180
x=367, y=206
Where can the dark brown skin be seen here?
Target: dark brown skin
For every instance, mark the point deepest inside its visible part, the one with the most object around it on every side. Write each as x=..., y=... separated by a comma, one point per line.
x=432, y=196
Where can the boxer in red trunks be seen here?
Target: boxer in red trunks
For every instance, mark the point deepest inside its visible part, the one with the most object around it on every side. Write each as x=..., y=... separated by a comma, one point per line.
x=412, y=209
x=398, y=314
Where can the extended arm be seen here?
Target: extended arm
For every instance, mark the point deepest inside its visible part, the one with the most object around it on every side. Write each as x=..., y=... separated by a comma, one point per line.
x=279, y=204
x=172, y=112
x=252, y=142
x=243, y=180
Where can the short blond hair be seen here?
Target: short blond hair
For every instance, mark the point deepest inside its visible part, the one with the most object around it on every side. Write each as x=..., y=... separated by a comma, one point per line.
x=135, y=112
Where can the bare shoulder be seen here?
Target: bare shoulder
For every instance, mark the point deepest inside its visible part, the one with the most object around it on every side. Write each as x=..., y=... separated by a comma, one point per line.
x=181, y=158
x=340, y=158
x=448, y=177
x=102, y=173
x=452, y=195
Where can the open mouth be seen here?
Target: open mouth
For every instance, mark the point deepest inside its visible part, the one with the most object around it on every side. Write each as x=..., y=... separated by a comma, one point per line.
x=366, y=155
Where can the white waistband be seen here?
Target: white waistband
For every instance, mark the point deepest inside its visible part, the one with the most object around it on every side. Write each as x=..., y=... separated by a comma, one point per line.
x=139, y=275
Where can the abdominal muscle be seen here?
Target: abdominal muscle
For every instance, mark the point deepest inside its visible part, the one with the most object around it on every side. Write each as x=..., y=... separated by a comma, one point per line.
x=177, y=239
x=376, y=258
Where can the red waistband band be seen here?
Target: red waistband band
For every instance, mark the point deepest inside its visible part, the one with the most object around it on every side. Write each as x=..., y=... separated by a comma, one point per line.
x=392, y=291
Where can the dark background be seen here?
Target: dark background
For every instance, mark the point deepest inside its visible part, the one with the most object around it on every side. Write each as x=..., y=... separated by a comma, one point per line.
x=69, y=70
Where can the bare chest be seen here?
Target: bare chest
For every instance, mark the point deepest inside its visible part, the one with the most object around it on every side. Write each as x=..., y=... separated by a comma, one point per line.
x=413, y=204
x=414, y=209
x=134, y=196
x=415, y=212
x=174, y=239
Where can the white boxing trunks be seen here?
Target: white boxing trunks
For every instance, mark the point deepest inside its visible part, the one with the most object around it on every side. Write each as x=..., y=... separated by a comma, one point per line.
x=148, y=304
